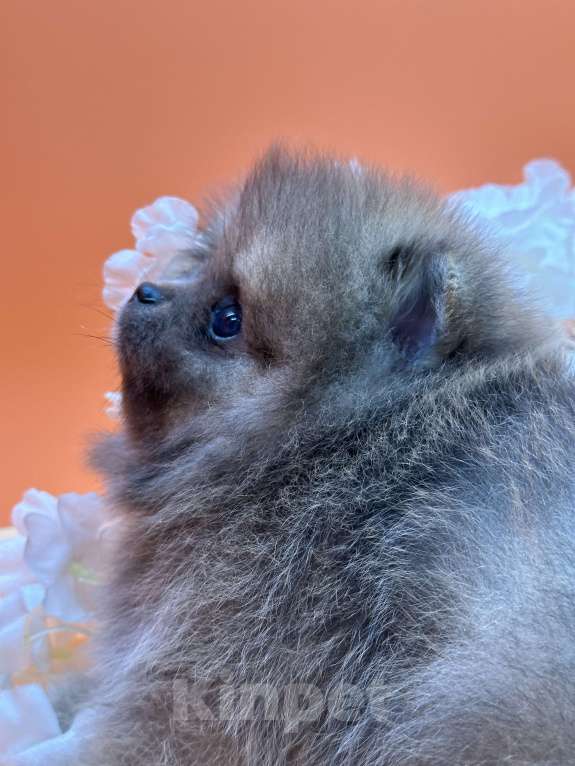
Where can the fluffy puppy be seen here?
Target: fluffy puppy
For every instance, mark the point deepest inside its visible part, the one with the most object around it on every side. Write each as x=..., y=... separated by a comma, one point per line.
x=346, y=480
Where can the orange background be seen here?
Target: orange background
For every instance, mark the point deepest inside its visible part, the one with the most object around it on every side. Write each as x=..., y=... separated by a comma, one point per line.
x=107, y=105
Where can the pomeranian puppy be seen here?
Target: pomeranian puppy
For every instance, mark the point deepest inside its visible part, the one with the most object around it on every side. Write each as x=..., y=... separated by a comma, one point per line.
x=346, y=484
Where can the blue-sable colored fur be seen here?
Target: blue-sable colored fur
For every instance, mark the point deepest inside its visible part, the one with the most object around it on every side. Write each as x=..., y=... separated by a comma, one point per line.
x=347, y=505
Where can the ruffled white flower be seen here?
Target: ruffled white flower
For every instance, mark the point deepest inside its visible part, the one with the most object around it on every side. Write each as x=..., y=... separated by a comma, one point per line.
x=49, y=574
x=536, y=221
x=161, y=230
x=54, y=560
x=123, y=271
x=59, y=552
x=165, y=227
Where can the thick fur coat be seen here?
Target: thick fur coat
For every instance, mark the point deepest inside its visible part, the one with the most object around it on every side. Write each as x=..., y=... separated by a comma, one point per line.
x=348, y=532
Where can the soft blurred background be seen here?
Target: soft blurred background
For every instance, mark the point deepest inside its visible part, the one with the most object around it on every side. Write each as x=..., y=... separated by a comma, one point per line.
x=107, y=105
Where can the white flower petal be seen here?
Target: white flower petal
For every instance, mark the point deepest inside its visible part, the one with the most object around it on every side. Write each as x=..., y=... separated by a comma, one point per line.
x=166, y=211
x=37, y=638
x=14, y=652
x=161, y=230
x=121, y=267
x=114, y=408
x=62, y=601
x=47, y=551
x=115, y=297
x=33, y=501
x=13, y=571
x=61, y=557
x=62, y=749
x=166, y=241
x=123, y=271
x=26, y=718
x=14, y=625
x=12, y=581
x=11, y=550
x=32, y=595
x=80, y=517
x=547, y=173
x=535, y=220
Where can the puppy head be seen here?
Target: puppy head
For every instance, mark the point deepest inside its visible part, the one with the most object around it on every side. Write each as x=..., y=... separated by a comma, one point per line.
x=313, y=272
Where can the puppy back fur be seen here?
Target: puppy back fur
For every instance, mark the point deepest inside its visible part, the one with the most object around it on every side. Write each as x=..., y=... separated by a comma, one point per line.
x=365, y=497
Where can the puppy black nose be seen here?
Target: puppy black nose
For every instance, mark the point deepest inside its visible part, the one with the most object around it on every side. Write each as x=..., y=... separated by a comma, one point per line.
x=149, y=293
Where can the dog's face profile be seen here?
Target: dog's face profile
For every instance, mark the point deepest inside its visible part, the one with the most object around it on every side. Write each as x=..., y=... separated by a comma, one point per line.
x=315, y=270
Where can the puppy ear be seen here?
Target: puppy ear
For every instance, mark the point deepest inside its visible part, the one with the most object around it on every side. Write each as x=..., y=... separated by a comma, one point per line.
x=419, y=277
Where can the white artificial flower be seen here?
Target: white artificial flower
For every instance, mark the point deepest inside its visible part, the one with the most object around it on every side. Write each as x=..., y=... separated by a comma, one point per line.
x=161, y=230
x=535, y=220
x=43, y=743
x=123, y=272
x=12, y=574
x=21, y=614
x=27, y=718
x=22, y=639
x=165, y=227
x=49, y=571
x=60, y=553
x=114, y=408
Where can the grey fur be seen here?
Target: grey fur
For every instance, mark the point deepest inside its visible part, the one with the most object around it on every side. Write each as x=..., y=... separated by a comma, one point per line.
x=372, y=485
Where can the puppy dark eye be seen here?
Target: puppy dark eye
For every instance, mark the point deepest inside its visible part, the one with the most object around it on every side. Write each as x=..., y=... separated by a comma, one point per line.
x=226, y=321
